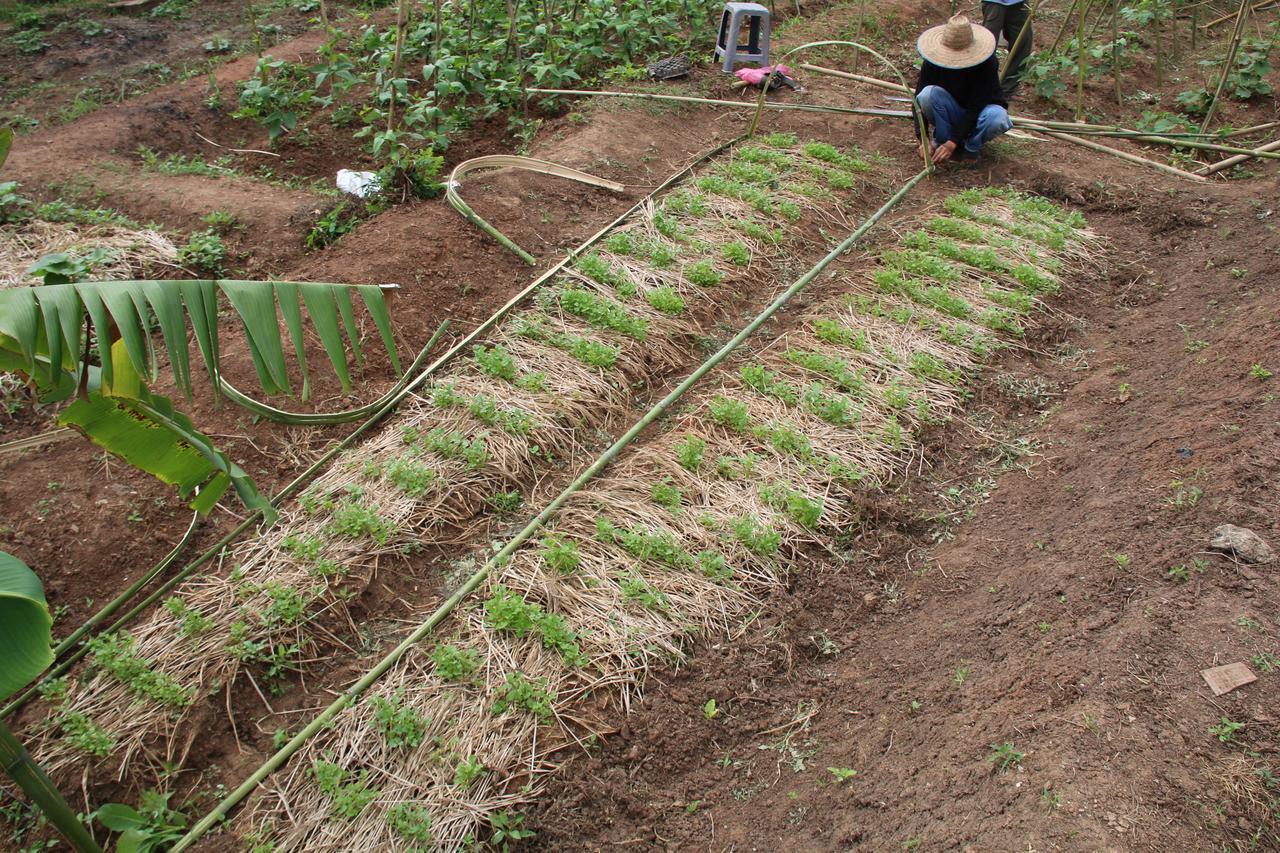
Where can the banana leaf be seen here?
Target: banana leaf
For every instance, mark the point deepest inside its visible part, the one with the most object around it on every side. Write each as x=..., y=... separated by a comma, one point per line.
x=43, y=334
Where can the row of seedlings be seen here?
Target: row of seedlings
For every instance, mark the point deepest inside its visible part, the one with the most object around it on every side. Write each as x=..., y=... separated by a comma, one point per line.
x=467, y=447
x=685, y=535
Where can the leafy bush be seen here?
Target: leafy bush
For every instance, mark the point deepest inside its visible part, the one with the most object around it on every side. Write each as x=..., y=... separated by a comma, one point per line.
x=204, y=252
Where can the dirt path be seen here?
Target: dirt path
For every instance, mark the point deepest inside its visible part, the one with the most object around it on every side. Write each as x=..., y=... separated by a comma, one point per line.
x=1049, y=622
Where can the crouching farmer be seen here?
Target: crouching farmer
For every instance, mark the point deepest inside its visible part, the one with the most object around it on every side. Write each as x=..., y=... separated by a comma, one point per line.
x=958, y=93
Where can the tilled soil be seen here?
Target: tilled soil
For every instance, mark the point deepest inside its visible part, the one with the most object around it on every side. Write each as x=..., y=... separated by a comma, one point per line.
x=1049, y=621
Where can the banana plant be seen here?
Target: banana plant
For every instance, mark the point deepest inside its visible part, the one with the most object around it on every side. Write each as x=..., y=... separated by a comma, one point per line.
x=48, y=334
x=25, y=626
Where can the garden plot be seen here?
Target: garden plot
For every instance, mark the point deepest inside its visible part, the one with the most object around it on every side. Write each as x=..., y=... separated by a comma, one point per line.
x=691, y=529
x=468, y=447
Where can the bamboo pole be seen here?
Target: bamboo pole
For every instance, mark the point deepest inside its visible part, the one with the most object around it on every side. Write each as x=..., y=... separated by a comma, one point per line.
x=1115, y=50
x=861, y=78
x=857, y=35
x=1260, y=7
x=812, y=108
x=1123, y=155
x=1226, y=66
x=35, y=783
x=1257, y=128
x=349, y=696
x=1239, y=158
x=1080, y=64
x=1017, y=43
x=495, y=161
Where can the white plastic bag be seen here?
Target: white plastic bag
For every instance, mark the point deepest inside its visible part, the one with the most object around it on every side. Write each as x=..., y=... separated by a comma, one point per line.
x=360, y=184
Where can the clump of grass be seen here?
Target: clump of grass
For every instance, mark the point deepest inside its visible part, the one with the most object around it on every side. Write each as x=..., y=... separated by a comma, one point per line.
x=496, y=361
x=452, y=444
x=452, y=663
x=401, y=726
x=832, y=332
x=411, y=476
x=506, y=610
x=586, y=350
x=561, y=555
x=665, y=300
x=736, y=253
x=702, y=274
x=350, y=798
x=599, y=270
x=523, y=693
x=637, y=590
x=833, y=408
x=689, y=452
x=731, y=413
x=602, y=313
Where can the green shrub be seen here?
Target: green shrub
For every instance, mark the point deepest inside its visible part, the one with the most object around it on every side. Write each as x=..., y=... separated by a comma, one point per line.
x=204, y=252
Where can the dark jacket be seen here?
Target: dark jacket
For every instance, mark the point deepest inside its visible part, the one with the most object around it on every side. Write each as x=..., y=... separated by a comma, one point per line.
x=973, y=88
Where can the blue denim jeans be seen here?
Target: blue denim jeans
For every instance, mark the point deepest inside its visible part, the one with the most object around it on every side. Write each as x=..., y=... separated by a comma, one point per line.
x=942, y=113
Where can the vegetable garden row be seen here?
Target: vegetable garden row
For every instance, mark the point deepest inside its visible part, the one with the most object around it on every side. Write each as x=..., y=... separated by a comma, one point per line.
x=624, y=315
x=685, y=534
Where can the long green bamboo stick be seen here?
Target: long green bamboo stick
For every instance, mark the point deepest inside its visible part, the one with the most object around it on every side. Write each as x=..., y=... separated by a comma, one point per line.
x=352, y=693
x=1226, y=65
x=17, y=762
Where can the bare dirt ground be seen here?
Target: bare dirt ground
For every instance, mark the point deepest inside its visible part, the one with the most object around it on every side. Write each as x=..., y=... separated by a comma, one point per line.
x=1018, y=591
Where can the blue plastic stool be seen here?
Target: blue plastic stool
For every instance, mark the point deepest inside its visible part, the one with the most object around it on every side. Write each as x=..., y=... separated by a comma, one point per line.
x=757, y=49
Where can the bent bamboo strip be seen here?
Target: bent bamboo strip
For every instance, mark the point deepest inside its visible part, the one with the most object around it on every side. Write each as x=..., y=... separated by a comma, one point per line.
x=1238, y=159
x=512, y=161
x=1123, y=155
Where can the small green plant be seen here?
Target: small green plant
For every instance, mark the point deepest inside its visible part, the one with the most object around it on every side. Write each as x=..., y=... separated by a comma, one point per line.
x=666, y=494
x=496, y=361
x=115, y=654
x=1260, y=373
x=153, y=826
x=665, y=300
x=412, y=822
x=1122, y=560
x=760, y=539
x=505, y=502
x=1226, y=730
x=603, y=313
x=561, y=555
x=960, y=674
x=193, y=622
x=639, y=591
x=467, y=772
x=453, y=663
x=204, y=252
x=736, y=253
x=841, y=774
x=523, y=693
x=508, y=829
x=689, y=452
x=354, y=520
x=349, y=798
x=1004, y=755
x=710, y=709
x=221, y=221
x=401, y=726
x=702, y=274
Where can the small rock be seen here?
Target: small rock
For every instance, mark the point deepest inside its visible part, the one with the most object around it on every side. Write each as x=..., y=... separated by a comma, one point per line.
x=1242, y=542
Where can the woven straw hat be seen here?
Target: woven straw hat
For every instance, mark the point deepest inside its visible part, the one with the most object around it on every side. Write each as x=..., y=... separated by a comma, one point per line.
x=956, y=44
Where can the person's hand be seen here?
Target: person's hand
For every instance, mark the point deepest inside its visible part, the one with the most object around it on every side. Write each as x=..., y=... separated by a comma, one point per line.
x=943, y=152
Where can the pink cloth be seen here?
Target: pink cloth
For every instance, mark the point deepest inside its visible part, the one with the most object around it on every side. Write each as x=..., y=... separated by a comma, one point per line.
x=755, y=76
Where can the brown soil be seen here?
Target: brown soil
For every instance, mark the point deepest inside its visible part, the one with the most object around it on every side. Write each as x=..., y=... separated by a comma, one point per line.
x=1048, y=620
x=1086, y=662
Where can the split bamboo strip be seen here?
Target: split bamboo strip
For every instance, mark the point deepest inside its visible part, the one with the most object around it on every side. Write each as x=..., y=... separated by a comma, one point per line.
x=220, y=811
x=499, y=161
x=1238, y=159
x=1227, y=63
x=18, y=445
x=812, y=108
x=1257, y=128
x=1260, y=7
x=861, y=78
x=1123, y=155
